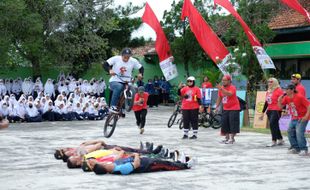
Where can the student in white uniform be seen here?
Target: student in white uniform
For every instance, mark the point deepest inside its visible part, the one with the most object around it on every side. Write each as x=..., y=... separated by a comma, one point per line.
x=3, y=90
x=32, y=113
x=48, y=111
x=49, y=89
x=16, y=88
x=8, y=85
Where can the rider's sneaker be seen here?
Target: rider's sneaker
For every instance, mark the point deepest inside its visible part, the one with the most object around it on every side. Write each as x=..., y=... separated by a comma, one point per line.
x=113, y=109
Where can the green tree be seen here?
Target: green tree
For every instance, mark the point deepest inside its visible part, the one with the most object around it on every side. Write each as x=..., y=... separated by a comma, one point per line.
x=184, y=45
x=27, y=27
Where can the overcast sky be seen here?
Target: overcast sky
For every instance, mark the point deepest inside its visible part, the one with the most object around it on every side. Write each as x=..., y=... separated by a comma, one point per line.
x=158, y=6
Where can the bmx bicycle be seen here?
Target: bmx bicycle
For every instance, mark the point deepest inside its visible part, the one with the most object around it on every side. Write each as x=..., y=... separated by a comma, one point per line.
x=176, y=112
x=125, y=102
x=207, y=119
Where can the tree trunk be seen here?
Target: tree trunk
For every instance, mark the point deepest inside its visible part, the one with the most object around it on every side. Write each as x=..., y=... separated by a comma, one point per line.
x=36, y=69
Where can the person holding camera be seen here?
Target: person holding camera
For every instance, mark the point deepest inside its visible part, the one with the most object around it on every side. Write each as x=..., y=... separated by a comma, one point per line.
x=140, y=107
x=191, y=102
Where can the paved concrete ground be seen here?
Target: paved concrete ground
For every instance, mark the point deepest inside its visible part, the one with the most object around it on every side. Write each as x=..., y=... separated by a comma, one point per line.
x=27, y=162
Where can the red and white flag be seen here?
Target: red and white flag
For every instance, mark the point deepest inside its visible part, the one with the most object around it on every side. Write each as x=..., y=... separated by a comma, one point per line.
x=161, y=45
x=206, y=37
x=263, y=58
x=294, y=4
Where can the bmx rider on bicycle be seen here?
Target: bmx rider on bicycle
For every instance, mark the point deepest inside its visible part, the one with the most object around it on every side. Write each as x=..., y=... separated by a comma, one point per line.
x=120, y=68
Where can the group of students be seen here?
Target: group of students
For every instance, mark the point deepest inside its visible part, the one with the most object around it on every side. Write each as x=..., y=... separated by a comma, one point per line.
x=101, y=158
x=74, y=106
x=63, y=84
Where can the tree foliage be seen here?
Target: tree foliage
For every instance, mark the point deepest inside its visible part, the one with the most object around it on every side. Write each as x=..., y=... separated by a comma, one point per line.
x=256, y=13
x=68, y=33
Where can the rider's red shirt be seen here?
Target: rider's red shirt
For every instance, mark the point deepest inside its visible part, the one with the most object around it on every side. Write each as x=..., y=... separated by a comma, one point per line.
x=144, y=97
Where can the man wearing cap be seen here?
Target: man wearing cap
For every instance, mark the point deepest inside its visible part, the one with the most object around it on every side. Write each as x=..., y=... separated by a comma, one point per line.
x=120, y=68
x=299, y=108
x=296, y=80
x=140, y=107
x=227, y=94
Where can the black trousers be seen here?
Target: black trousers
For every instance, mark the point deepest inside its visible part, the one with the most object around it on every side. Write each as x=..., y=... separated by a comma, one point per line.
x=274, y=117
x=190, y=117
x=140, y=117
x=230, y=122
x=155, y=164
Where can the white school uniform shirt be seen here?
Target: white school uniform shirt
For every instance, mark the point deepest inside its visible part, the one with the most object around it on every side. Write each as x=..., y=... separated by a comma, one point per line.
x=21, y=110
x=49, y=88
x=27, y=87
x=77, y=109
x=32, y=112
x=8, y=86
x=2, y=89
x=13, y=111
x=72, y=86
x=5, y=111
x=123, y=68
x=63, y=88
x=48, y=107
x=16, y=87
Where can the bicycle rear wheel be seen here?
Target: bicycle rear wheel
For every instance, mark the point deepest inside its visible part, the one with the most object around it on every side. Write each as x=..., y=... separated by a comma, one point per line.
x=216, y=121
x=109, y=125
x=172, y=119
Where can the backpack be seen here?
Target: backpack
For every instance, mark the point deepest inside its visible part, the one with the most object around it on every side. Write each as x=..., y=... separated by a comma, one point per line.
x=242, y=103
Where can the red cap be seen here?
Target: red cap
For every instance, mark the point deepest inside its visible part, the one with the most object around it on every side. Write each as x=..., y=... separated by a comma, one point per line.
x=228, y=77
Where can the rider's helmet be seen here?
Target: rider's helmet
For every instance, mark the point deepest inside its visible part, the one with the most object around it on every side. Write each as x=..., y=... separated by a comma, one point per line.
x=126, y=51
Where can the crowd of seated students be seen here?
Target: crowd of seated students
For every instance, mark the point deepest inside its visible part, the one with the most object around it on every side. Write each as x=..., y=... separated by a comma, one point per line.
x=66, y=99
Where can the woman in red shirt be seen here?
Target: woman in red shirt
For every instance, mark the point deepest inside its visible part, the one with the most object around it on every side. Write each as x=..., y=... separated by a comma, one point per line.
x=273, y=111
x=227, y=94
x=191, y=100
x=140, y=107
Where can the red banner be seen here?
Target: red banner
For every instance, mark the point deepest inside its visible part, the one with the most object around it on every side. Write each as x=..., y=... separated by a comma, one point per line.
x=228, y=6
x=263, y=59
x=294, y=4
x=205, y=36
x=161, y=45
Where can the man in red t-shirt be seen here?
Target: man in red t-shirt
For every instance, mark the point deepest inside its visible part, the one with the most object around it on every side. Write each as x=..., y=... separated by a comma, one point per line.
x=299, y=108
x=191, y=101
x=227, y=94
x=140, y=107
x=296, y=80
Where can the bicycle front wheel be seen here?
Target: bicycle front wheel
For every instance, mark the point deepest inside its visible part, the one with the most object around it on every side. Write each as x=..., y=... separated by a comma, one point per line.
x=216, y=121
x=109, y=125
x=172, y=119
